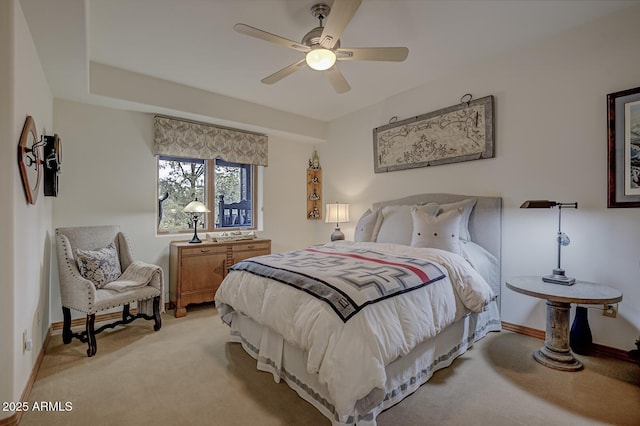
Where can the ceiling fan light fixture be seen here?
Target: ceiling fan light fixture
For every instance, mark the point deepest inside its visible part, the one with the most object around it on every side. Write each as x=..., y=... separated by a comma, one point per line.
x=320, y=59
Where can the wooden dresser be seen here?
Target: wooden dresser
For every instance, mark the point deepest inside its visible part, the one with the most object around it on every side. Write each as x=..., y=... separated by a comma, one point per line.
x=196, y=270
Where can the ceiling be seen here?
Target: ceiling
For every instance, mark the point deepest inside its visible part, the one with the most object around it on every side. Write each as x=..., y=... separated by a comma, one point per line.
x=192, y=42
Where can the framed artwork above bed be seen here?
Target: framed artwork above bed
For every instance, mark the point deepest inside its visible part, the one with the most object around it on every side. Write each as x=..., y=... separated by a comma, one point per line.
x=462, y=132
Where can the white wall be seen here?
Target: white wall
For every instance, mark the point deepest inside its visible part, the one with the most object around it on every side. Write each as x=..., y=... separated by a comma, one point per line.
x=24, y=244
x=7, y=157
x=109, y=177
x=551, y=143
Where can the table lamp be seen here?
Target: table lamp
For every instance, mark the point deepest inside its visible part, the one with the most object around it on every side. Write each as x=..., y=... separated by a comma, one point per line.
x=195, y=208
x=338, y=213
x=558, y=276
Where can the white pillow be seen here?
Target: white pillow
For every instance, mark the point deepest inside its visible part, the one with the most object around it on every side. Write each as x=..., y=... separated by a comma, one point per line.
x=441, y=232
x=467, y=206
x=482, y=261
x=366, y=226
x=397, y=226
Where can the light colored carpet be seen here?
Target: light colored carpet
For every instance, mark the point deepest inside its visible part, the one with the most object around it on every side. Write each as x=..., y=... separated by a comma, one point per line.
x=188, y=374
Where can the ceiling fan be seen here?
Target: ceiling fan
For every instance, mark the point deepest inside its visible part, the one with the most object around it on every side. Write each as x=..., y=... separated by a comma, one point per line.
x=321, y=45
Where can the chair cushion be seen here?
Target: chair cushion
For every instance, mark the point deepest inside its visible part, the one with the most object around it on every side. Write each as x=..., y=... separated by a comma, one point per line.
x=100, y=266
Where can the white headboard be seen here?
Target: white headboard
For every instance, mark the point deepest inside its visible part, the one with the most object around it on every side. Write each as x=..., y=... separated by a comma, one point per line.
x=485, y=222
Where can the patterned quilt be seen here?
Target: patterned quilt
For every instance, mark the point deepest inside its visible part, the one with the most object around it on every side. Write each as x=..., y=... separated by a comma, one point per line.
x=347, y=280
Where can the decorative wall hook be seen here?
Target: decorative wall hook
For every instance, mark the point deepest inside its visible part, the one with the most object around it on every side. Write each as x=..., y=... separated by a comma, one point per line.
x=466, y=99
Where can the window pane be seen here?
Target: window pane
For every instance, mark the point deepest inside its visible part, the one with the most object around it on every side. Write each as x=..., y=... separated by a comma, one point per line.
x=233, y=188
x=180, y=181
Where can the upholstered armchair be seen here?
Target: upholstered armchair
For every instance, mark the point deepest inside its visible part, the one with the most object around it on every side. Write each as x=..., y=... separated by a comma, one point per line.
x=97, y=271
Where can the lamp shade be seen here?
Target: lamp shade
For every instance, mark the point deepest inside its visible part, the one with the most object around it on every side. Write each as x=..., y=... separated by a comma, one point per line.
x=337, y=213
x=545, y=204
x=320, y=59
x=196, y=207
x=538, y=204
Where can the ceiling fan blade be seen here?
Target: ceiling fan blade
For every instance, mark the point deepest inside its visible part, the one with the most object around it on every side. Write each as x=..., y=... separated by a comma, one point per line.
x=337, y=80
x=393, y=54
x=341, y=13
x=279, y=75
x=272, y=38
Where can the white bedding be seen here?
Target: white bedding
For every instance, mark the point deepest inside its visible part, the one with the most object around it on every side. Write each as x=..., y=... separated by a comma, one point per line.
x=350, y=357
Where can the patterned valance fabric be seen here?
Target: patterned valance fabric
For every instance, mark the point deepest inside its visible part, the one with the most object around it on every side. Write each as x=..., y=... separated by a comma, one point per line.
x=189, y=139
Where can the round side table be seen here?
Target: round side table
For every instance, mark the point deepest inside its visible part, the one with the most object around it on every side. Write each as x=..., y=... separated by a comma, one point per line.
x=556, y=352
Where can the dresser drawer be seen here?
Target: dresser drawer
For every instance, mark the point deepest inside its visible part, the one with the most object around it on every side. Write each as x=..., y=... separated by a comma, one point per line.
x=259, y=246
x=203, y=250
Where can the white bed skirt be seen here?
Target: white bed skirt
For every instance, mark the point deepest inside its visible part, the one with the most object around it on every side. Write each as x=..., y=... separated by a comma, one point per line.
x=404, y=376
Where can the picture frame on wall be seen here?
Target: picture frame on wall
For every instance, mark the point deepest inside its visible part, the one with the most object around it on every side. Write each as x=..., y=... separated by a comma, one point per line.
x=462, y=132
x=623, y=130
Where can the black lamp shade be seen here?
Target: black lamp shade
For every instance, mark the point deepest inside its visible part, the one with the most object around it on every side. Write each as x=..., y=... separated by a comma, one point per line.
x=538, y=204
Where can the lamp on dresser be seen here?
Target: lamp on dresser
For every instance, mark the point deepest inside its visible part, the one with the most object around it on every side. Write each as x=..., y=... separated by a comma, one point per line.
x=337, y=213
x=195, y=209
x=558, y=276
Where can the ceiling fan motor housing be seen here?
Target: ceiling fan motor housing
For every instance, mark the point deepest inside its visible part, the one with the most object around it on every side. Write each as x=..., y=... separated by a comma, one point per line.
x=312, y=38
x=320, y=11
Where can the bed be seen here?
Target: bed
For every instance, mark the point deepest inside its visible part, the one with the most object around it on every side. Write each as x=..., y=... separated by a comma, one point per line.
x=422, y=285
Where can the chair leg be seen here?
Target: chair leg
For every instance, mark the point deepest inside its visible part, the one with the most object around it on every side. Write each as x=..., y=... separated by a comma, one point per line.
x=125, y=312
x=91, y=336
x=67, y=335
x=156, y=313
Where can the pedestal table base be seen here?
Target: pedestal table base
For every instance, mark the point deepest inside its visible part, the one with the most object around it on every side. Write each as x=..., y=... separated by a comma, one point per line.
x=556, y=352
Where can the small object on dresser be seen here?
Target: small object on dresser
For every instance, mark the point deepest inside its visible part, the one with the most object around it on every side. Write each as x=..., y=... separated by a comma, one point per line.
x=195, y=208
x=231, y=236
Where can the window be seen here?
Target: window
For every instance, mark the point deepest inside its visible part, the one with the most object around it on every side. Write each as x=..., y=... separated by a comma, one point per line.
x=227, y=189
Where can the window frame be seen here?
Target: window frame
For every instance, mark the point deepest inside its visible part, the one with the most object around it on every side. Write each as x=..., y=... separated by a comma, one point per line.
x=211, y=198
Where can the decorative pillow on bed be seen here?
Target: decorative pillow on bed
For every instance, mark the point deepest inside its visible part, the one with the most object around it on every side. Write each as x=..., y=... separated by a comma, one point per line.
x=441, y=232
x=467, y=206
x=99, y=266
x=366, y=226
x=397, y=226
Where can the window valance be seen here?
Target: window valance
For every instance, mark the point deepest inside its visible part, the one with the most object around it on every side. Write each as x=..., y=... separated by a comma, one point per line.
x=189, y=139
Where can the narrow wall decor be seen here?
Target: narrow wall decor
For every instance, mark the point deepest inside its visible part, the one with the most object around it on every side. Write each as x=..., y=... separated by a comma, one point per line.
x=30, y=160
x=623, y=130
x=462, y=132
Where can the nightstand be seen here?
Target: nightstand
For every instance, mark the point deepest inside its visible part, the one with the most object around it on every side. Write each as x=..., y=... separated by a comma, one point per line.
x=556, y=352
